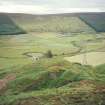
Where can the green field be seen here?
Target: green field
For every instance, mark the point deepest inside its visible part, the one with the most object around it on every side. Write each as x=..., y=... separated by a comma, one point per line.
x=52, y=79
x=92, y=58
x=12, y=48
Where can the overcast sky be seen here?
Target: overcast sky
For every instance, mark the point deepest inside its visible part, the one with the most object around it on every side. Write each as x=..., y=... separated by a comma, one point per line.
x=51, y=6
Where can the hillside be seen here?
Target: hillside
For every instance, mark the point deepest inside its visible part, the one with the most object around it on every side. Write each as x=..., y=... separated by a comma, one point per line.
x=8, y=27
x=52, y=23
x=35, y=59
x=64, y=23
x=54, y=82
x=95, y=21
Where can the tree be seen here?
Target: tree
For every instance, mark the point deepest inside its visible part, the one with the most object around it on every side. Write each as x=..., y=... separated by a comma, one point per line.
x=49, y=54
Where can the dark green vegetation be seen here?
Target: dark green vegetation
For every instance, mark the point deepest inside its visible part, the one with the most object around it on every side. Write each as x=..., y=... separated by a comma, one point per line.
x=96, y=21
x=8, y=27
x=32, y=66
x=49, y=54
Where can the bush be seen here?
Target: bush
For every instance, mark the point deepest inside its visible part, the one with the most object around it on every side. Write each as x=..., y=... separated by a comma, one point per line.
x=49, y=54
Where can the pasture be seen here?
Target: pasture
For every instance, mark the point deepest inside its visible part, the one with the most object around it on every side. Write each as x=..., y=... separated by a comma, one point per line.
x=12, y=48
x=92, y=58
x=46, y=65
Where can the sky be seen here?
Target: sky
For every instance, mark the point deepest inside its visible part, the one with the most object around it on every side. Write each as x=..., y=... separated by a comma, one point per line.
x=51, y=6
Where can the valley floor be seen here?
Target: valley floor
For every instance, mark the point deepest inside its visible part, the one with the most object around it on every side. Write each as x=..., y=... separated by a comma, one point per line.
x=28, y=76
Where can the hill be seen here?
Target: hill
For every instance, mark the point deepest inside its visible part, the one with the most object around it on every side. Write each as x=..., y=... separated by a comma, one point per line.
x=8, y=27
x=22, y=23
x=96, y=21
x=64, y=23
x=33, y=68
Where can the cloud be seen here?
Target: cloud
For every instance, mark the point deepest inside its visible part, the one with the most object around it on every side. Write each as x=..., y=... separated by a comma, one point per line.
x=43, y=10
x=57, y=3
x=51, y=6
x=23, y=9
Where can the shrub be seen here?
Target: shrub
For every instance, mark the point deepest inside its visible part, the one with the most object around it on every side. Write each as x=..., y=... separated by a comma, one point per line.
x=49, y=54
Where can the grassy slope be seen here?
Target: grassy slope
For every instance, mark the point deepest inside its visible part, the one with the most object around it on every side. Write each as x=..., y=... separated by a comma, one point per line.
x=63, y=23
x=56, y=82
x=95, y=21
x=51, y=81
x=53, y=24
x=8, y=27
x=12, y=48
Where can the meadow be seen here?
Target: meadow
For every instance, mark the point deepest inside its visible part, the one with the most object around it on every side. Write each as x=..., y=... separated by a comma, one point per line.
x=92, y=58
x=12, y=48
x=53, y=78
